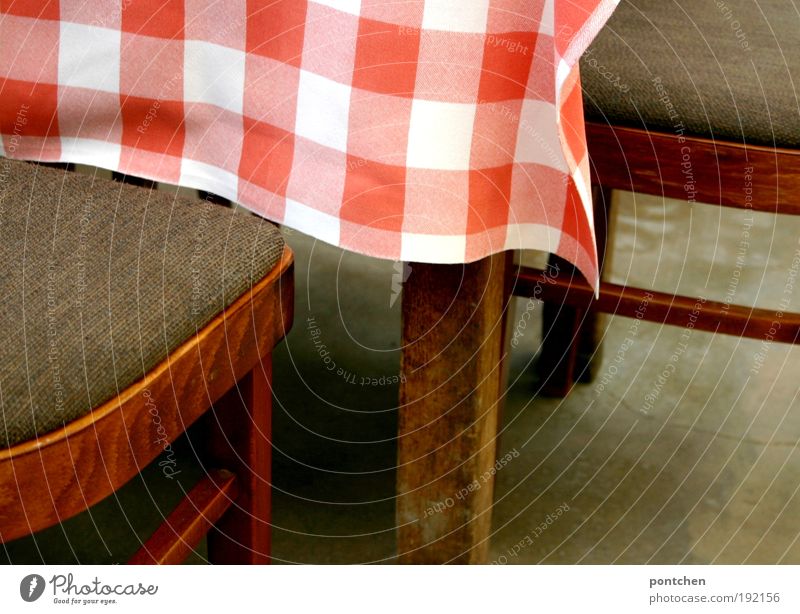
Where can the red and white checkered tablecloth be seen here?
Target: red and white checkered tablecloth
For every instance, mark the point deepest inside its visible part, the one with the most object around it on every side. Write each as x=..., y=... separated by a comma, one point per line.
x=423, y=130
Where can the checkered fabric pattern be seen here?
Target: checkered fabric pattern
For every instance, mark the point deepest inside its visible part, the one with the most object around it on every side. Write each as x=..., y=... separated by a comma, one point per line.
x=422, y=130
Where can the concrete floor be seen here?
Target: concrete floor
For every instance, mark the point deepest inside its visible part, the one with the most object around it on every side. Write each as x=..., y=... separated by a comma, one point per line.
x=701, y=466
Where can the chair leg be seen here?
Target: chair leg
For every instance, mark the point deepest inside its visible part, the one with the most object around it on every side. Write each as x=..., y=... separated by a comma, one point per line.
x=132, y=180
x=240, y=440
x=571, y=348
x=213, y=198
x=561, y=324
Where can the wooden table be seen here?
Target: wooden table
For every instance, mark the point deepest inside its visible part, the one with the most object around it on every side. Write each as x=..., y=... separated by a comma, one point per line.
x=438, y=131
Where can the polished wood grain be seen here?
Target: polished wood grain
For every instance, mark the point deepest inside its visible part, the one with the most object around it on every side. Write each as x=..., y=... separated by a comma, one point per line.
x=449, y=404
x=711, y=316
x=239, y=437
x=662, y=164
x=693, y=170
x=188, y=523
x=57, y=475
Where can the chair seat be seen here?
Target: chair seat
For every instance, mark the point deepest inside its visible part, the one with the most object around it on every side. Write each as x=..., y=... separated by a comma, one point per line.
x=101, y=281
x=728, y=70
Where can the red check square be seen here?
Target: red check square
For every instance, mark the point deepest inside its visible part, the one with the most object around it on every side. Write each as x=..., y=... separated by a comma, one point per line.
x=153, y=125
x=507, y=61
x=569, y=19
x=489, y=196
x=276, y=29
x=386, y=58
x=38, y=9
x=163, y=19
x=572, y=122
x=29, y=109
x=374, y=194
x=267, y=155
x=574, y=223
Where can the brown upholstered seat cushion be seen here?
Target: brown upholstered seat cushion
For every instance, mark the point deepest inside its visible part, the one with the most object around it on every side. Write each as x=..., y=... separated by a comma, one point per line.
x=728, y=70
x=99, y=281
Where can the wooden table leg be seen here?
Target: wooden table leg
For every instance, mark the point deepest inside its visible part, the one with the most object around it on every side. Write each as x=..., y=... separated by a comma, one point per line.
x=571, y=349
x=449, y=406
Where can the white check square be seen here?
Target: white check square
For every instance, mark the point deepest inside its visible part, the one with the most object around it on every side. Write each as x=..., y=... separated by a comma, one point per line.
x=522, y=236
x=214, y=74
x=312, y=222
x=88, y=57
x=538, y=141
x=105, y=154
x=470, y=16
x=346, y=6
x=562, y=73
x=433, y=248
x=203, y=176
x=546, y=26
x=440, y=135
x=323, y=111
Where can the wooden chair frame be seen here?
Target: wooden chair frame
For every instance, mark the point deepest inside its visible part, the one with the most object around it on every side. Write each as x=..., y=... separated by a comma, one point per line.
x=646, y=162
x=225, y=366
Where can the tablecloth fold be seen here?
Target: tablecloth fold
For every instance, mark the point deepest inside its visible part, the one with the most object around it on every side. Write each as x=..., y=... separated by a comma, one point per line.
x=433, y=131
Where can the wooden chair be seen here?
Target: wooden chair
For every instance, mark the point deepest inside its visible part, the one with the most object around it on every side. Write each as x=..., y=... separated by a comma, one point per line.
x=688, y=100
x=127, y=315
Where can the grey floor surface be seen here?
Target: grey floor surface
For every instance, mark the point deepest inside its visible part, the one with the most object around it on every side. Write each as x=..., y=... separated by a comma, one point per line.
x=683, y=450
